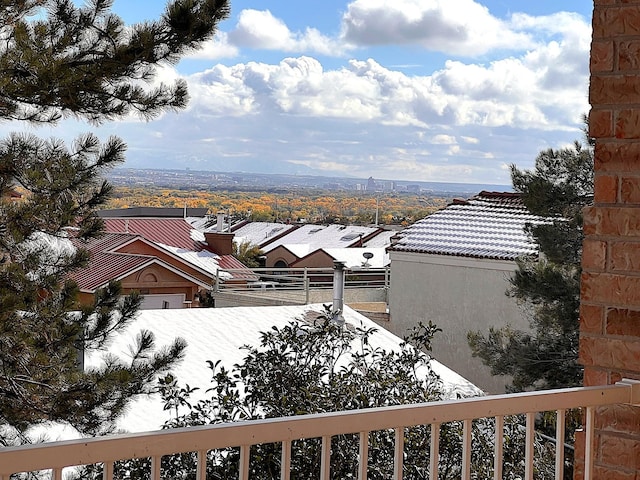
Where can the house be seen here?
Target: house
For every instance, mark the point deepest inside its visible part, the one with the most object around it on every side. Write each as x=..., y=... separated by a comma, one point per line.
x=167, y=277
x=453, y=268
x=287, y=249
x=178, y=233
x=162, y=257
x=219, y=334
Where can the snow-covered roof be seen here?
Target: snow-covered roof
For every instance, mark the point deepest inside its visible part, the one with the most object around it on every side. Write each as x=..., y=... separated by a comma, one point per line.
x=259, y=233
x=383, y=239
x=354, y=259
x=323, y=236
x=205, y=260
x=219, y=334
x=490, y=225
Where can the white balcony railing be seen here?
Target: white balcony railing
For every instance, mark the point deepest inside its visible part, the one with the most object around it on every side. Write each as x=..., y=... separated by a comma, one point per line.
x=154, y=445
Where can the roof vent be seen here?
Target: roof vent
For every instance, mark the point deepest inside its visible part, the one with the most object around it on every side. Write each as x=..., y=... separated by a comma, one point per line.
x=350, y=236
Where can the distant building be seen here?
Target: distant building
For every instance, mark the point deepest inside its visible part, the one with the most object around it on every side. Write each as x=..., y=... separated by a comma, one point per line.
x=371, y=185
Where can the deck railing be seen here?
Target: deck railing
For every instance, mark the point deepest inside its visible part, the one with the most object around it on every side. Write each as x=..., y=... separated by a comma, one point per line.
x=154, y=445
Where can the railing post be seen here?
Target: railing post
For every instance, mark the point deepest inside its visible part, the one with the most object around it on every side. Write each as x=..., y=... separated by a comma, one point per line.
x=155, y=467
x=588, y=444
x=363, y=454
x=498, y=453
x=216, y=286
x=466, y=450
x=528, y=448
x=398, y=454
x=285, y=461
x=306, y=287
x=201, y=468
x=325, y=459
x=434, y=451
x=560, y=427
x=245, y=452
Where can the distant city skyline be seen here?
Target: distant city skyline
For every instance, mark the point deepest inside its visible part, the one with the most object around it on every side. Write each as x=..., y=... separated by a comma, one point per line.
x=203, y=180
x=425, y=90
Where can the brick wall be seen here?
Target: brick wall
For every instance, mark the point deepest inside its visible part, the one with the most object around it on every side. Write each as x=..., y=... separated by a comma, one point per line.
x=610, y=311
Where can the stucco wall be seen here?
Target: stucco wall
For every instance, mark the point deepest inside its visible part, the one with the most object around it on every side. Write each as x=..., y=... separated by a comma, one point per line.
x=458, y=295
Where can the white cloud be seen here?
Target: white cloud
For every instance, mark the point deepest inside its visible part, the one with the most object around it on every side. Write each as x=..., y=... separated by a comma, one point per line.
x=215, y=49
x=444, y=140
x=259, y=29
x=461, y=27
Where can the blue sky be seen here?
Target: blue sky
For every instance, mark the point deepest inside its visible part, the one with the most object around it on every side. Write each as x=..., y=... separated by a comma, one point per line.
x=430, y=90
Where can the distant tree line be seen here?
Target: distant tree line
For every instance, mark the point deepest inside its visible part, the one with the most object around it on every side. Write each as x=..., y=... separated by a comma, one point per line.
x=311, y=206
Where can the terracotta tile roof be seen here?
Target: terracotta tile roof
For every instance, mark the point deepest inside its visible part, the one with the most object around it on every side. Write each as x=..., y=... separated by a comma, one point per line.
x=488, y=225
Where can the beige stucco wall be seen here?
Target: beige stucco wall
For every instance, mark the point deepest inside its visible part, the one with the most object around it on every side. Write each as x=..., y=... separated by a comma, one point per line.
x=457, y=294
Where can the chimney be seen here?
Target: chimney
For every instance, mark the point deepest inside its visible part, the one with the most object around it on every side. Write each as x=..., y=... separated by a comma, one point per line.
x=338, y=292
x=220, y=222
x=220, y=243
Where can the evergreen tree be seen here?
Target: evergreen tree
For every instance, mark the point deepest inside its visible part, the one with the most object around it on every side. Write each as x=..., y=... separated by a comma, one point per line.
x=59, y=60
x=548, y=288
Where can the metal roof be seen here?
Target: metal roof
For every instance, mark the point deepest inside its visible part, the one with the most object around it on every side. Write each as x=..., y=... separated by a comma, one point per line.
x=323, y=236
x=261, y=233
x=175, y=232
x=489, y=225
x=105, y=265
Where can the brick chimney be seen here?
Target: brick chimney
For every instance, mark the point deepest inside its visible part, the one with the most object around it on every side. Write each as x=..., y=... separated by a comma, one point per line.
x=220, y=243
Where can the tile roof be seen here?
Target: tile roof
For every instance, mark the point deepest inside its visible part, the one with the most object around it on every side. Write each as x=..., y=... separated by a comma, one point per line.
x=178, y=236
x=489, y=225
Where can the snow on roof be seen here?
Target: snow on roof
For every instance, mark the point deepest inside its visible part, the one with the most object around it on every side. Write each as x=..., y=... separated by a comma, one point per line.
x=353, y=257
x=219, y=333
x=299, y=249
x=489, y=225
x=259, y=233
x=205, y=260
x=323, y=236
x=53, y=251
x=383, y=239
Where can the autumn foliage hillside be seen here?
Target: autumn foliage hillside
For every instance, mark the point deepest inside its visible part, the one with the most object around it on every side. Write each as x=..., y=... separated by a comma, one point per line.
x=320, y=206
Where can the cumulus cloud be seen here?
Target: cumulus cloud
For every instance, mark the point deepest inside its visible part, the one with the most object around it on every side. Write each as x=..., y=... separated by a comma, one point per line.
x=520, y=92
x=259, y=29
x=461, y=27
x=215, y=49
x=462, y=121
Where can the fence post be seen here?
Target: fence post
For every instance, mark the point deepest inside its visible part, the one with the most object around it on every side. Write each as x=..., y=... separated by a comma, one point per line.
x=306, y=287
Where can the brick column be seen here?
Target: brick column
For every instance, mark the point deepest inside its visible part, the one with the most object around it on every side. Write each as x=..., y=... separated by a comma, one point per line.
x=610, y=292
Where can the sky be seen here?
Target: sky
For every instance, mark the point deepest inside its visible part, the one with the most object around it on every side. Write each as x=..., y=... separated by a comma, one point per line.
x=422, y=90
